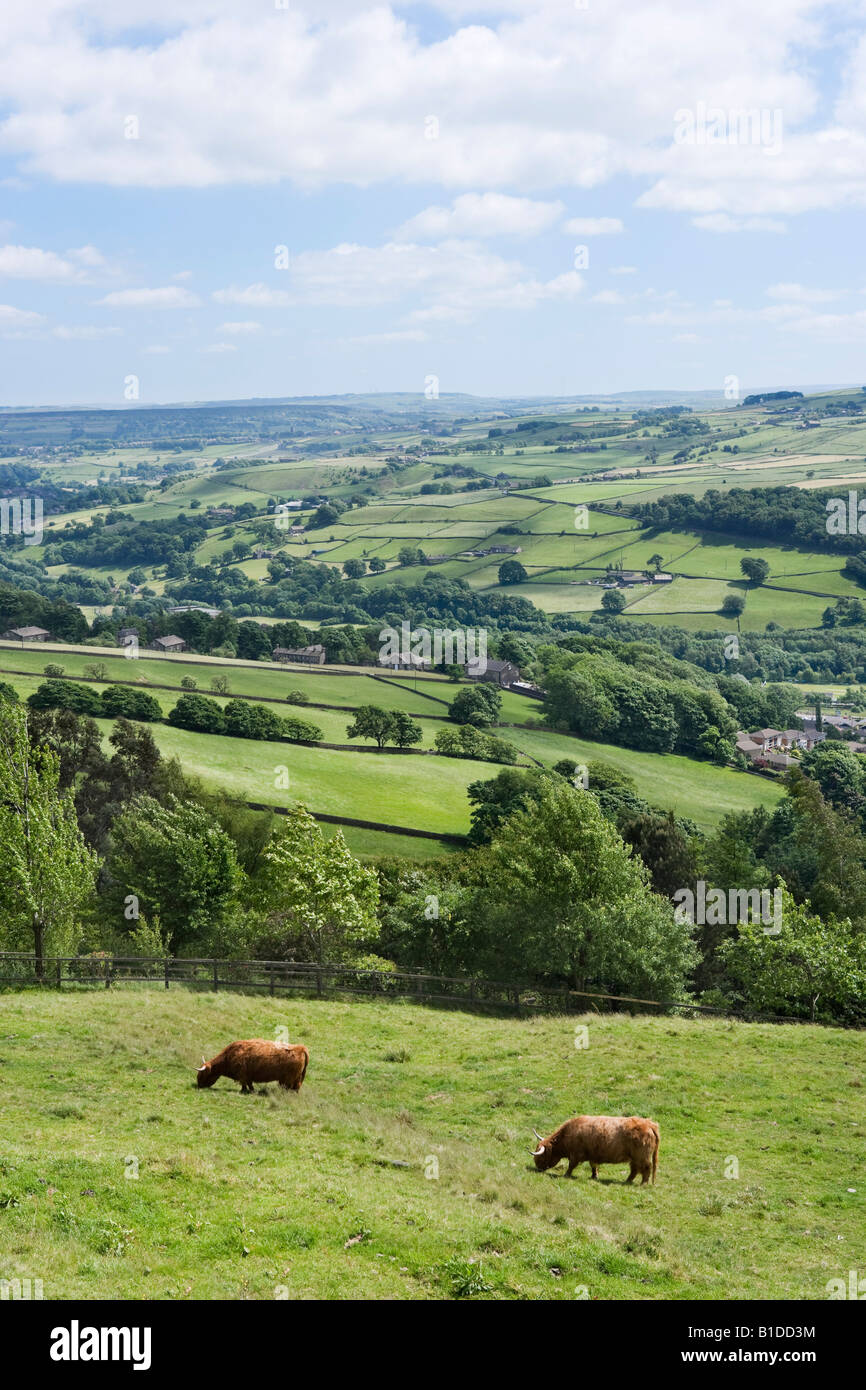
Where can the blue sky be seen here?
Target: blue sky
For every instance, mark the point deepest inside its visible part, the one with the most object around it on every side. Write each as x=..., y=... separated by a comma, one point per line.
x=528, y=197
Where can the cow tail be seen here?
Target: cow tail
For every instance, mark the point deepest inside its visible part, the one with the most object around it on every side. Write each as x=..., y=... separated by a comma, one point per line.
x=304, y=1072
x=655, y=1152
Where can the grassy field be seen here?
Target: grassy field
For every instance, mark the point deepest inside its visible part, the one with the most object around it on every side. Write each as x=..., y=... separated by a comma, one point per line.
x=401, y=1170
x=429, y=793
x=423, y=793
x=417, y=792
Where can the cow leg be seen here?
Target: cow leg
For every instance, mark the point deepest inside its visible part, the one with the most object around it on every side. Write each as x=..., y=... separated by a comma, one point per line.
x=632, y=1174
x=645, y=1177
x=594, y=1173
x=570, y=1169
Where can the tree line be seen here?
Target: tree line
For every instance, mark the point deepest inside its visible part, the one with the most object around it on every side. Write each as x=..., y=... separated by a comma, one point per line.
x=566, y=882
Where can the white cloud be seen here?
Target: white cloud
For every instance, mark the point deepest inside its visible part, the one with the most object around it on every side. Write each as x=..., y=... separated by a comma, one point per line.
x=216, y=91
x=801, y=294
x=460, y=276
x=32, y=263
x=405, y=335
x=442, y=313
x=481, y=215
x=593, y=226
x=14, y=321
x=608, y=297
x=167, y=297
x=452, y=280
x=723, y=222
x=256, y=296
x=239, y=328
x=794, y=315
x=82, y=332
x=88, y=256
x=830, y=328
x=221, y=347
x=623, y=270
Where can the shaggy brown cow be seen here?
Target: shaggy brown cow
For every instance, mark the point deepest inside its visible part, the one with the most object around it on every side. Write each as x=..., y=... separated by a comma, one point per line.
x=257, y=1060
x=596, y=1139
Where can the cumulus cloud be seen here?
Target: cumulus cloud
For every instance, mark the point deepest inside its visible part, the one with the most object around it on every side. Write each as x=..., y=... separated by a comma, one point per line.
x=84, y=332
x=238, y=328
x=454, y=277
x=166, y=297
x=256, y=296
x=16, y=321
x=801, y=294
x=482, y=215
x=340, y=91
x=450, y=281
x=722, y=222
x=386, y=339
x=33, y=263
x=593, y=226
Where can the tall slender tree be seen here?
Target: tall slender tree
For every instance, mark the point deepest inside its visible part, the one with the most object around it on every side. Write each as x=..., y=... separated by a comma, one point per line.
x=46, y=869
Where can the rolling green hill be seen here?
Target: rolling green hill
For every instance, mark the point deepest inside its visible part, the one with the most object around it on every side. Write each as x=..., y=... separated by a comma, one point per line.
x=425, y=793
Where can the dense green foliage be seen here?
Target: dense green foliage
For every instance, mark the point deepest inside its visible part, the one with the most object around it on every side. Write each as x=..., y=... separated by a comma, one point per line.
x=241, y=719
x=784, y=515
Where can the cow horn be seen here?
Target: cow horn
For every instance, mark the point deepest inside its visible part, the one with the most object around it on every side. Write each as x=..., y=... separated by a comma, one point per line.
x=536, y=1153
x=203, y=1062
x=539, y=1137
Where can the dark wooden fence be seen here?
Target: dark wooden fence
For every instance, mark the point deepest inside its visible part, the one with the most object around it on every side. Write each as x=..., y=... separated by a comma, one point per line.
x=19, y=970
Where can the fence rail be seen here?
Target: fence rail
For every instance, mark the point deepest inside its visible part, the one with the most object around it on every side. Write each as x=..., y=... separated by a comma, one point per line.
x=278, y=977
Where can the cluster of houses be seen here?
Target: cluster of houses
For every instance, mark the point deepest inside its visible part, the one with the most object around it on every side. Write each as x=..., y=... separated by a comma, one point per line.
x=772, y=747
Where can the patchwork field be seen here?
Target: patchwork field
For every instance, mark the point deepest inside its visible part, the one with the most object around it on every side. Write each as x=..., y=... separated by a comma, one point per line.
x=559, y=504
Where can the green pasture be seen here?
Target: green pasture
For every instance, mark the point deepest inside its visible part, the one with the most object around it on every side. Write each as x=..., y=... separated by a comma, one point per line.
x=401, y=1169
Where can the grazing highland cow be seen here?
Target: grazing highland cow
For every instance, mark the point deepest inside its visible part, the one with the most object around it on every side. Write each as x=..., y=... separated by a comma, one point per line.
x=257, y=1060
x=596, y=1139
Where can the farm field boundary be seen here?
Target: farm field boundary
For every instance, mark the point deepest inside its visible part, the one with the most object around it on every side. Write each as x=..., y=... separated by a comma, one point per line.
x=329, y=819
x=21, y=970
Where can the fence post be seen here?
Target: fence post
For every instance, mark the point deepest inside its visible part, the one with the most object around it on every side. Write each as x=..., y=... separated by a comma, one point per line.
x=318, y=981
x=59, y=973
x=165, y=963
x=216, y=975
x=108, y=972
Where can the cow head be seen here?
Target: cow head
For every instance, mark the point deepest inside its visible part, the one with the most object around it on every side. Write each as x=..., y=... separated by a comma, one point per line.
x=204, y=1074
x=543, y=1155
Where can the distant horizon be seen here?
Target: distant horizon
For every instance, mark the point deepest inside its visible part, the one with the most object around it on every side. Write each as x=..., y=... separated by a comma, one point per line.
x=431, y=404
